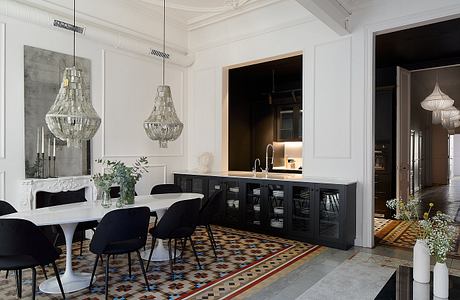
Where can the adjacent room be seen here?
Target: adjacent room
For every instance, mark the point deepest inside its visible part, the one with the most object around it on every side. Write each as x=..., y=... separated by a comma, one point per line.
x=229, y=149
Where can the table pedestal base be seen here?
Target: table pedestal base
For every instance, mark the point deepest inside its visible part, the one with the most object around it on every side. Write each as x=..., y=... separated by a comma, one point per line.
x=160, y=253
x=72, y=283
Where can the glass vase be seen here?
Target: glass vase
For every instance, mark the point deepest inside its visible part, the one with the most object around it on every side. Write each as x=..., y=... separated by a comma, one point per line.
x=127, y=193
x=106, y=201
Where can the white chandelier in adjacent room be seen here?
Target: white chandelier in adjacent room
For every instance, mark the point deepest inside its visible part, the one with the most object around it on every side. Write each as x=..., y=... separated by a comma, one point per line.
x=436, y=102
x=163, y=125
x=450, y=119
x=72, y=117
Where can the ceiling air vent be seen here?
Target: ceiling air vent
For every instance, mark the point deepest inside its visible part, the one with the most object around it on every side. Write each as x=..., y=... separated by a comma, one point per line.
x=158, y=53
x=68, y=26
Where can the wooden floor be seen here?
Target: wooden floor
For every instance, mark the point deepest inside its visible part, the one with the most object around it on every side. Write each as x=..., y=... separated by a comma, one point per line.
x=446, y=198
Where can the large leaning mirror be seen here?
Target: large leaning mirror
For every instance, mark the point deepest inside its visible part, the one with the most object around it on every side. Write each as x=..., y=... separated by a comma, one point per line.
x=45, y=155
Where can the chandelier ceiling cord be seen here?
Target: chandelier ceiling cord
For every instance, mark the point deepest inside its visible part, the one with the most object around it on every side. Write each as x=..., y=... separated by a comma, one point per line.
x=163, y=125
x=72, y=117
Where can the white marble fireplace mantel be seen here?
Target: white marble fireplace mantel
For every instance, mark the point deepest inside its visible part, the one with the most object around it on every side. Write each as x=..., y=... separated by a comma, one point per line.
x=30, y=187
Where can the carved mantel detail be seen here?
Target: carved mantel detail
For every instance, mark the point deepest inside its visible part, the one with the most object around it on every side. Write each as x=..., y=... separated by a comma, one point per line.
x=30, y=187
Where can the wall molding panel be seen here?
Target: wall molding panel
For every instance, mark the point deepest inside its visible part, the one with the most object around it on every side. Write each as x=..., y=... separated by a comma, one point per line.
x=2, y=185
x=136, y=105
x=2, y=90
x=332, y=119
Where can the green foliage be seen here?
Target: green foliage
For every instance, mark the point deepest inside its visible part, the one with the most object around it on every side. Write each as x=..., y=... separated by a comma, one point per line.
x=122, y=174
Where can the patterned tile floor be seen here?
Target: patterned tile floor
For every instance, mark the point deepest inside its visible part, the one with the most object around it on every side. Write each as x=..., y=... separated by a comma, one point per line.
x=244, y=260
x=401, y=234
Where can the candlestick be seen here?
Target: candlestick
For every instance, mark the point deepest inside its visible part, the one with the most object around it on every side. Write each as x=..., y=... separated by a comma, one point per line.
x=49, y=147
x=54, y=166
x=49, y=166
x=37, y=173
x=43, y=140
x=43, y=165
x=38, y=140
x=54, y=147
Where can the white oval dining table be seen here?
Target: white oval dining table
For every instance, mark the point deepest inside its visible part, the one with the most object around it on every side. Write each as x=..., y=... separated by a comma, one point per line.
x=69, y=215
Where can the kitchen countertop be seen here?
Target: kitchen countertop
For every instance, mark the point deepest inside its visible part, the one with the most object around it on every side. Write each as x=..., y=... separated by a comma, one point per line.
x=271, y=176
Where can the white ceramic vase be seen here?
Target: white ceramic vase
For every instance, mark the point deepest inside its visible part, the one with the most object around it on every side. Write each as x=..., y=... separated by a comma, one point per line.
x=441, y=281
x=421, y=261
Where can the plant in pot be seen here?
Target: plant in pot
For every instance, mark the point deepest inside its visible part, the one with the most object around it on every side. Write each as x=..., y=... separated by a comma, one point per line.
x=103, y=183
x=441, y=237
x=126, y=177
x=409, y=211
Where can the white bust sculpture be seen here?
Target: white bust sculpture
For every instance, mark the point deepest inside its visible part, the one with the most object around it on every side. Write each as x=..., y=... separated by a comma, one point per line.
x=205, y=162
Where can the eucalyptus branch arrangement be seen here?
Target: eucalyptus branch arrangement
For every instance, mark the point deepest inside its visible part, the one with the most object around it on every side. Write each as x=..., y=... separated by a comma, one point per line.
x=125, y=176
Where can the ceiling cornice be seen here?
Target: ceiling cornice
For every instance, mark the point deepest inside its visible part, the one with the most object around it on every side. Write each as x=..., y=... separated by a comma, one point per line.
x=206, y=20
x=197, y=9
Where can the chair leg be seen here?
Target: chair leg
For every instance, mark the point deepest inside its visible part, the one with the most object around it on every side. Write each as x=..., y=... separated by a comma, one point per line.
x=151, y=251
x=94, y=272
x=183, y=248
x=141, y=262
x=129, y=265
x=44, y=272
x=18, y=283
x=208, y=229
x=81, y=244
x=58, y=278
x=7, y=272
x=194, y=252
x=212, y=236
x=34, y=283
x=170, y=259
x=107, y=277
x=175, y=249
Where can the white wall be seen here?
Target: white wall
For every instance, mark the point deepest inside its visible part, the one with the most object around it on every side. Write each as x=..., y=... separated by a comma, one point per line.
x=456, y=155
x=123, y=88
x=338, y=84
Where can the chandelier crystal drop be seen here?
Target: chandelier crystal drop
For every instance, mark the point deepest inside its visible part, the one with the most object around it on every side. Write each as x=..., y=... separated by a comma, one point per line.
x=72, y=117
x=163, y=125
x=437, y=100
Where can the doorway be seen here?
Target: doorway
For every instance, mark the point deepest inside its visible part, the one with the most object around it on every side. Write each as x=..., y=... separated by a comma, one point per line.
x=413, y=156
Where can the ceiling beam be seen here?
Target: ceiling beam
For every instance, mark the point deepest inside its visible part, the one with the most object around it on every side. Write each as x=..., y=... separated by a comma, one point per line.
x=330, y=12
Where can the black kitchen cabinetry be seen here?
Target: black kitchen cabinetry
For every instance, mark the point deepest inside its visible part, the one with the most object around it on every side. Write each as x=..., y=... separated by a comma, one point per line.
x=317, y=213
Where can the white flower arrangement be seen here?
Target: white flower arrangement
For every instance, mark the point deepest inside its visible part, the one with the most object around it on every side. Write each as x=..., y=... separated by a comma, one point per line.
x=409, y=211
x=441, y=235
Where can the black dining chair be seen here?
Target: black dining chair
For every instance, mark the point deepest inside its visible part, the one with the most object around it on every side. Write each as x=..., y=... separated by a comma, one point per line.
x=166, y=188
x=24, y=246
x=6, y=209
x=211, y=210
x=178, y=223
x=121, y=231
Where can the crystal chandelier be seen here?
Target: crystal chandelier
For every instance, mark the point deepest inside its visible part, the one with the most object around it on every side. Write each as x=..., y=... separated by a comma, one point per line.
x=450, y=119
x=72, y=117
x=163, y=125
x=436, y=102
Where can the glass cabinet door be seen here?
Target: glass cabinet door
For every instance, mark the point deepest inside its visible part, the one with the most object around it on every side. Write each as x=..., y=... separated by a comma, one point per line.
x=329, y=213
x=232, y=205
x=286, y=124
x=276, y=206
x=301, y=211
x=253, y=205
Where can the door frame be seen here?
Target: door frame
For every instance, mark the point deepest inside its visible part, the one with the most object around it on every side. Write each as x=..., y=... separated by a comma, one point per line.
x=370, y=32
